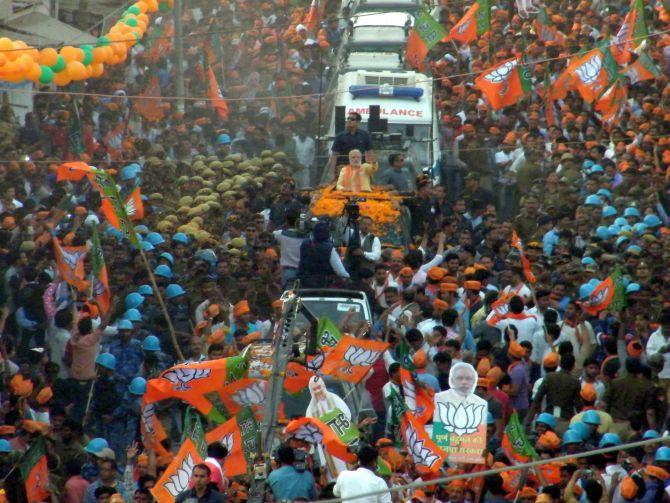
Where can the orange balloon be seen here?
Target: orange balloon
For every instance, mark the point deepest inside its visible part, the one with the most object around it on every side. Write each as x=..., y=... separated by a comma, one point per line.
x=69, y=53
x=25, y=63
x=142, y=6
x=62, y=78
x=119, y=49
x=3, y=60
x=97, y=69
x=143, y=17
x=152, y=6
x=34, y=73
x=89, y=71
x=99, y=55
x=76, y=70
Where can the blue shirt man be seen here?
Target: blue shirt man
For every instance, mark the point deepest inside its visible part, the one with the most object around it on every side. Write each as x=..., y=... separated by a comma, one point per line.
x=288, y=483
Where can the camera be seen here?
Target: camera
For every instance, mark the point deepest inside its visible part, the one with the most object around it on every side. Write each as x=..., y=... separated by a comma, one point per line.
x=352, y=210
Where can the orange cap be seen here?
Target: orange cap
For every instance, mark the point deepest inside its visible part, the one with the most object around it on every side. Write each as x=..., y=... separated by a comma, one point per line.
x=242, y=307
x=406, y=271
x=440, y=305
x=436, y=273
x=628, y=488
x=634, y=349
x=448, y=287
x=549, y=440
x=420, y=359
x=588, y=392
x=472, y=285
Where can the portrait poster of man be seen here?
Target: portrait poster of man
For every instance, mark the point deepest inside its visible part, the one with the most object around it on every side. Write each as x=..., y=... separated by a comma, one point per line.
x=459, y=420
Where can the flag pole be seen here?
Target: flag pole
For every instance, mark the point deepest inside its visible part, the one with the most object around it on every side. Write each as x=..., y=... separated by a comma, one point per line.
x=157, y=292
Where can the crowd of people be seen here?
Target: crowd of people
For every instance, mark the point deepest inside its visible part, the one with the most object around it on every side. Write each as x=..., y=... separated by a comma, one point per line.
x=531, y=212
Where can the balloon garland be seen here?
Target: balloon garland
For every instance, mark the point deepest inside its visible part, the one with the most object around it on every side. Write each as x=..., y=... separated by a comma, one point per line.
x=19, y=61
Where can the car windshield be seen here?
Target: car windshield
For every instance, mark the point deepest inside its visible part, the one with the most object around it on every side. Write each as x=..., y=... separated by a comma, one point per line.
x=336, y=309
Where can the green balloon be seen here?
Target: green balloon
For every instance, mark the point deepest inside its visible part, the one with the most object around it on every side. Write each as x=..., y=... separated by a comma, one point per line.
x=88, y=56
x=132, y=22
x=47, y=74
x=60, y=64
x=102, y=42
x=163, y=7
x=134, y=9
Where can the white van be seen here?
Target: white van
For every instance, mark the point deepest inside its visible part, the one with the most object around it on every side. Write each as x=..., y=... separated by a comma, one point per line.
x=379, y=31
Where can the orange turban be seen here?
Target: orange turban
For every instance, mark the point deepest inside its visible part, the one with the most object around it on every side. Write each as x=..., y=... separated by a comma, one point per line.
x=472, y=285
x=440, y=305
x=448, y=287
x=241, y=308
x=436, y=273
x=406, y=271
x=588, y=392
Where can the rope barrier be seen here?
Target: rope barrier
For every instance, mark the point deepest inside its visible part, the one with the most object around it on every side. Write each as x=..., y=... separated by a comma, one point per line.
x=494, y=471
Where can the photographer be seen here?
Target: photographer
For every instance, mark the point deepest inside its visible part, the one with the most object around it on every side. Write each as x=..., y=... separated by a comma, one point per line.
x=319, y=260
x=289, y=240
x=289, y=482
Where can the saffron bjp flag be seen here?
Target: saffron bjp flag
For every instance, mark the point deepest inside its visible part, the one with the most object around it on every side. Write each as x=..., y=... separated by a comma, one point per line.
x=475, y=22
x=312, y=19
x=112, y=206
x=70, y=264
x=316, y=432
x=426, y=455
x=515, y=444
x=418, y=398
x=151, y=429
x=600, y=298
x=416, y=51
x=134, y=205
x=151, y=107
x=612, y=102
x=631, y=34
x=239, y=435
x=643, y=68
x=214, y=93
x=72, y=171
x=100, y=281
x=499, y=308
x=177, y=475
x=35, y=472
x=352, y=358
x=243, y=393
x=594, y=71
x=296, y=378
x=504, y=84
x=191, y=381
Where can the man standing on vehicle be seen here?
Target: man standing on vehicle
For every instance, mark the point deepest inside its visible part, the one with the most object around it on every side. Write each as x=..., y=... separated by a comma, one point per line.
x=353, y=138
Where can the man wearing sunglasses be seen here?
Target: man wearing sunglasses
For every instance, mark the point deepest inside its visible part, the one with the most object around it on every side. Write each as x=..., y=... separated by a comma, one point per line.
x=352, y=138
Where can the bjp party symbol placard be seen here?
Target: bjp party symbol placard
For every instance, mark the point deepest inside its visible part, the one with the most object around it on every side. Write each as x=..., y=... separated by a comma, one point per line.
x=459, y=420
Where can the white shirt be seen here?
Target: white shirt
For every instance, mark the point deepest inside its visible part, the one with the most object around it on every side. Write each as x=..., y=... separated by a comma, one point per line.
x=289, y=247
x=57, y=344
x=527, y=327
x=305, y=150
x=657, y=341
x=420, y=275
x=351, y=483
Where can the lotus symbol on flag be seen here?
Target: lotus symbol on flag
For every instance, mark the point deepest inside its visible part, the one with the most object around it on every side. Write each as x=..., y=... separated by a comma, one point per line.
x=360, y=356
x=309, y=433
x=98, y=287
x=622, y=35
x=228, y=442
x=316, y=363
x=251, y=395
x=420, y=454
x=181, y=377
x=148, y=413
x=502, y=73
x=178, y=482
x=130, y=207
x=72, y=258
x=632, y=73
x=589, y=70
x=460, y=419
x=598, y=297
x=464, y=27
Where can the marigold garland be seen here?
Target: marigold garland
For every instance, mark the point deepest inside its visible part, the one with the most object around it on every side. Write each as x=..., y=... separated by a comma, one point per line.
x=381, y=207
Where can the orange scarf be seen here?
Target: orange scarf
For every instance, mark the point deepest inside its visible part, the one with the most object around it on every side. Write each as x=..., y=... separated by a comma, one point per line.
x=352, y=179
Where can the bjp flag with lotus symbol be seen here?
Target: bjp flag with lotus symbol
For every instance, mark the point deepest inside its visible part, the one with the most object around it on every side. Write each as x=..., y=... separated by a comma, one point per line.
x=176, y=477
x=427, y=456
x=352, y=358
x=504, y=84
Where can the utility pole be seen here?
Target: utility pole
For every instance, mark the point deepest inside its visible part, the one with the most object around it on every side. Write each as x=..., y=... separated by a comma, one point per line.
x=179, y=53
